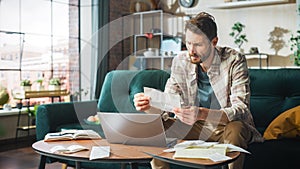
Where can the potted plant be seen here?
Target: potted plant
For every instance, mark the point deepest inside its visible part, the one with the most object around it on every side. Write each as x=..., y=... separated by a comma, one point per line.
x=239, y=38
x=4, y=96
x=39, y=84
x=295, y=48
x=26, y=85
x=54, y=84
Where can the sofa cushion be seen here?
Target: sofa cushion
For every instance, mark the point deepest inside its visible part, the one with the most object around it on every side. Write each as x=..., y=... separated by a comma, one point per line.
x=286, y=125
x=273, y=91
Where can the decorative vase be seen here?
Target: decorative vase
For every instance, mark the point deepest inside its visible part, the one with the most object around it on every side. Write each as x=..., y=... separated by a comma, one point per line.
x=26, y=88
x=138, y=7
x=54, y=87
x=40, y=87
x=241, y=50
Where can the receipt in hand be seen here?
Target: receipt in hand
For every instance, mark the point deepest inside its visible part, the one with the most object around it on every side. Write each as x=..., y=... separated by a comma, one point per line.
x=161, y=100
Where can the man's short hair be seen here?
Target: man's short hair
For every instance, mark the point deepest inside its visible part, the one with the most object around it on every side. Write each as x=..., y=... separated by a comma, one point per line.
x=203, y=23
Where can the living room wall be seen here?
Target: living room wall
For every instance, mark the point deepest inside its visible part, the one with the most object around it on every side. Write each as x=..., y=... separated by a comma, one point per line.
x=259, y=22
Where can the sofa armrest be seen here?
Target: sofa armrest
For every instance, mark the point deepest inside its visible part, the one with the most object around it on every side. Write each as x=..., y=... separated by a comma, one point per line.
x=51, y=117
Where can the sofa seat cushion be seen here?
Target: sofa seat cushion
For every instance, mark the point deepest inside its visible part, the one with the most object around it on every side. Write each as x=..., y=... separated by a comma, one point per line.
x=286, y=125
x=274, y=154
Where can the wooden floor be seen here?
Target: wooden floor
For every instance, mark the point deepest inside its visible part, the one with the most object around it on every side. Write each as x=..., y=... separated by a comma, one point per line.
x=20, y=155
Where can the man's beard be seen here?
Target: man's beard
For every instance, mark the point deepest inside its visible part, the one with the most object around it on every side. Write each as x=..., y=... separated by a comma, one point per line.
x=201, y=58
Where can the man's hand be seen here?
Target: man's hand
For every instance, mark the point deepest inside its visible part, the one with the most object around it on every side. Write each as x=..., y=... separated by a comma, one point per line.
x=187, y=115
x=192, y=114
x=141, y=102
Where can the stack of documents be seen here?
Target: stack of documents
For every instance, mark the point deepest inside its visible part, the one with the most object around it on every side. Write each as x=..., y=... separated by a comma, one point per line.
x=205, y=150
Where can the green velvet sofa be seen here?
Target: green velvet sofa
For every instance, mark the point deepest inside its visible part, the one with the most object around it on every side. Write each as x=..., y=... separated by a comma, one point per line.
x=273, y=91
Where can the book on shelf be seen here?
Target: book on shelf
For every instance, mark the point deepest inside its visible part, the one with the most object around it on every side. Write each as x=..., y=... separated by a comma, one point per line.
x=72, y=135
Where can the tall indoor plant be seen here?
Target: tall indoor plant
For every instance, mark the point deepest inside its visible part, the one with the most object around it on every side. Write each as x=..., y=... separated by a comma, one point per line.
x=295, y=47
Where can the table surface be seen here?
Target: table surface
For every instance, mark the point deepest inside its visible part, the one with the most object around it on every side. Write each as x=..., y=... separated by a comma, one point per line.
x=118, y=152
x=123, y=153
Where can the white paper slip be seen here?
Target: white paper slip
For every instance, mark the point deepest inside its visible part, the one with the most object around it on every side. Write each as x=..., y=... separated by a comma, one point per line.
x=169, y=150
x=218, y=157
x=99, y=152
x=194, y=143
x=161, y=100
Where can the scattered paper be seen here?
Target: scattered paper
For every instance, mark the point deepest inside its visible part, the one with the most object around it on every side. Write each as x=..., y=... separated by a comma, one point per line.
x=194, y=143
x=161, y=100
x=201, y=153
x=218, y=157
x=204, y=150
x=99, y=152
x=169, y=150
x=67, y=150
x=231, y=148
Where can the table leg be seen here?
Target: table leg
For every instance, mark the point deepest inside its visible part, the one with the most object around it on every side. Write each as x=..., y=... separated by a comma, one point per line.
x=225, y=166
x=260, y=61
x=77, y=165
x=134, y=165
x=42, y=162
x=123, y=165
x=131, y=165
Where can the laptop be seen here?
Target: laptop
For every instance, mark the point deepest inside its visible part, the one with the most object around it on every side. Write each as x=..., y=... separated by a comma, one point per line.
x=135, y=129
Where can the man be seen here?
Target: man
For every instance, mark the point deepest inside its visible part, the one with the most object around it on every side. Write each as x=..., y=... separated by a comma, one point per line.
x=213, y=84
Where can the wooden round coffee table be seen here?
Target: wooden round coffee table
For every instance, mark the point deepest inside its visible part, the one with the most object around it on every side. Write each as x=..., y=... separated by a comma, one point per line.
x=124, y=154
x=119, y=153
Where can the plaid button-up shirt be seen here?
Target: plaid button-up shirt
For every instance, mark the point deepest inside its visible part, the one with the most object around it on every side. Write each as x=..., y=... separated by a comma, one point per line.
x=229, y=78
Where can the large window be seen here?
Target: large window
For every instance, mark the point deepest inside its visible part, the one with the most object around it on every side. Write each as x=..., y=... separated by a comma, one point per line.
x=39, y=40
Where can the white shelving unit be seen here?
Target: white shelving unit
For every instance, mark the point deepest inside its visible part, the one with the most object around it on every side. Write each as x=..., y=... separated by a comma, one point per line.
x=147, y=21
x=298, y=14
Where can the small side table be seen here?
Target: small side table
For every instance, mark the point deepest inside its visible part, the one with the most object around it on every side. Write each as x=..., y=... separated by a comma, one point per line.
x=260, y=56
x=27, y=95
x=29, y=117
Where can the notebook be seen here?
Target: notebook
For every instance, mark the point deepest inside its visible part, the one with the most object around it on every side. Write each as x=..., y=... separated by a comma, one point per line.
x=135, y=129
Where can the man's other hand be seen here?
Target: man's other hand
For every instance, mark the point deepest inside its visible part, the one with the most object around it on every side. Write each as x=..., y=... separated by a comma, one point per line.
x=141, y=102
